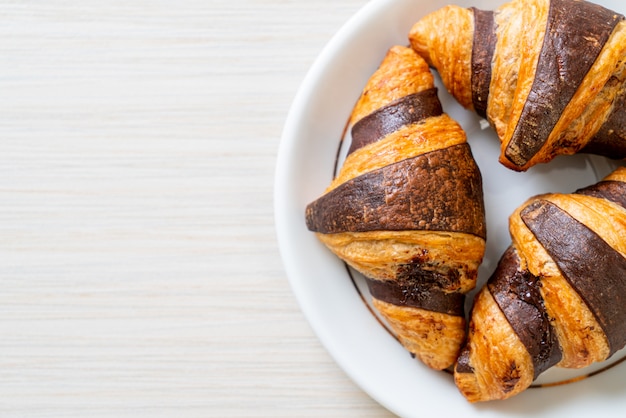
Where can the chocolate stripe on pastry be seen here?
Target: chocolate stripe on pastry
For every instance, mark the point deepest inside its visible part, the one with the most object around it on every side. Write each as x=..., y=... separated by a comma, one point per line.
x=614, y=191
x=578, y=251
x=405, y=111
x=462, y=364
x=413, y=294
x=483, y=47
x=440, y=190
x=610, y=140
x=576, y=32
x=517, y=294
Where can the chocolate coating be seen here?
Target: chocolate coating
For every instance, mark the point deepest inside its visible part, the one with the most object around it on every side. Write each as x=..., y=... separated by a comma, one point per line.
x=576, y=32
x=593, y=268
x=439, y=191
x=610, y=140
x=517, y=293
x=462, y=363
x=483, y=47
x=614, y=191
x=414, y=293
x=429, y=273
x=388, y=119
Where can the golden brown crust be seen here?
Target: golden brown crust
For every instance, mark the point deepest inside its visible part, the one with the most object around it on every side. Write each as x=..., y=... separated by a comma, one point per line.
x=379, y=254
x=407, y=142
x=581, y=337
x=455, y=65
x=435, y=338
x=529, y=36
x=501, y=366
x=617, y=175
x=505, y=67
x=399, y=74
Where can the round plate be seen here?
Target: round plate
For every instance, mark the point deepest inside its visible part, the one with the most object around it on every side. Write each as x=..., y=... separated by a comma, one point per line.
x=330, y=295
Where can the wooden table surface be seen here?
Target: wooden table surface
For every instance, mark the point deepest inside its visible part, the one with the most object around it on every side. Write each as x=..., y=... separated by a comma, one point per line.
x=138, y=260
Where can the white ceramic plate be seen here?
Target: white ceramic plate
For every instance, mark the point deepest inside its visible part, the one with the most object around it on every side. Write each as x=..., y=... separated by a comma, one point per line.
x=320, y=281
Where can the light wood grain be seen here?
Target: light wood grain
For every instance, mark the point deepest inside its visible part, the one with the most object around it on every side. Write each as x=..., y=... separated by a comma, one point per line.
x=139, y=268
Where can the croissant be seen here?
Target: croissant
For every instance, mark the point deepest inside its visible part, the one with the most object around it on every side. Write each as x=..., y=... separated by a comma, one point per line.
x=548, y=75
x=557, y=296
x=406, y=209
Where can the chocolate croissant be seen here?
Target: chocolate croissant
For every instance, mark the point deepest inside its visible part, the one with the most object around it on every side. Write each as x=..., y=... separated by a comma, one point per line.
x=557, y=296
x=548, y=75
x=406, y=209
